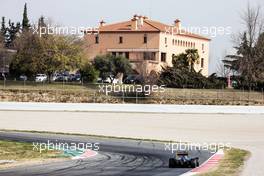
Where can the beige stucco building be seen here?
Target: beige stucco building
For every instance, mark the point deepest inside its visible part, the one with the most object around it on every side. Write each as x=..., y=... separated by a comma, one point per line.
x=146, y=43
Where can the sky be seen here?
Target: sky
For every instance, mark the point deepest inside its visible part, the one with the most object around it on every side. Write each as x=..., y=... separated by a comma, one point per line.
x=192, y=13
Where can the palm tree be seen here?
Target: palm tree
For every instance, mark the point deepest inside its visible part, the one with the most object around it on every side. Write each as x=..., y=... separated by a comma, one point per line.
x=192, y=57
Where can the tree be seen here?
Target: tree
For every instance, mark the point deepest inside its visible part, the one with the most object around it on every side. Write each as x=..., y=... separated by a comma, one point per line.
x=88, y=72
x=180, y=61
x=3, y=30
x=42, y=25
x=259, y=47
x=247, y=61
x=47, y=54
x=179, y=75
x=192, y=57
x=25, y=21
x=111, y=66
x=12, y=32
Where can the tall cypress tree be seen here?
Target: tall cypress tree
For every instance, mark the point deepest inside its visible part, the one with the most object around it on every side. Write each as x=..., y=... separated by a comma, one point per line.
x=11, y=34
x=3, y=27
x=3, y=31
x=25, y=22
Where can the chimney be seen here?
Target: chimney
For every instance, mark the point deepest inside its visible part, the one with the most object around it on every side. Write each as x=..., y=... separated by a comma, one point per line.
x=135, y=22
x=140, y=21
x=145, y=18
x=102, y=23
x=177, y=24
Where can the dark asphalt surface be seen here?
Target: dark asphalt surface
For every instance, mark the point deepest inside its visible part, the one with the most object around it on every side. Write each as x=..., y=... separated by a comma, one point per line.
x=116, y=157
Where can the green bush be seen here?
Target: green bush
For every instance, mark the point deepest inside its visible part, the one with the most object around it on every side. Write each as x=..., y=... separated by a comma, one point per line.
x=89, y=73
x=182, y=76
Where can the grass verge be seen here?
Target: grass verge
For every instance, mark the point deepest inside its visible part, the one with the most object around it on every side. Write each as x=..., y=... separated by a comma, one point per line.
x=23, y=151
x=231, y=164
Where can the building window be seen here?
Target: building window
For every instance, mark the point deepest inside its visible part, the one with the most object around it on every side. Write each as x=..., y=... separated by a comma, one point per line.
x=202, y=63
x=173, y=42
x=114, y=53
x=96, y=39
x=149, y=56
x=127, y=55
x=163, y=57
x=165, y=40
x=145, y=38
x=203, y=47
x=120, y=39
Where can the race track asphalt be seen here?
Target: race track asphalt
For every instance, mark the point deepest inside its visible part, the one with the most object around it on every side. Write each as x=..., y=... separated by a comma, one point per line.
x=116, y=157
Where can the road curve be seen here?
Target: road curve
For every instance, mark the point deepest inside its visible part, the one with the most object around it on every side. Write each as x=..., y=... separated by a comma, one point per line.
x=115, y=157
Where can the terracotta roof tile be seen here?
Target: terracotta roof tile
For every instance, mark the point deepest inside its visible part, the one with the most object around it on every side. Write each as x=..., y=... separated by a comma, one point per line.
x=148, y=26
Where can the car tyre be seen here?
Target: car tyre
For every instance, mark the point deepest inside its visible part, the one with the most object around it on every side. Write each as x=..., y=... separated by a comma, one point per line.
x=171, y=163
x=193, y=164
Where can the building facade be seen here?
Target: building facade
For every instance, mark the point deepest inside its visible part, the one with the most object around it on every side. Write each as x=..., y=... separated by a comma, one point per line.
x=148, y=44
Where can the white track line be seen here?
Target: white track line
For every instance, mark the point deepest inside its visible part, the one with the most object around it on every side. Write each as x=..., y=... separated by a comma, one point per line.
x=146, y=108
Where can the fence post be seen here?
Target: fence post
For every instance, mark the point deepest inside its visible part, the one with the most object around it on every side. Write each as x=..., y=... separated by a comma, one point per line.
x=136, y=98
x=249, y=94
x=123, y=97
x=234, y=96
x=244, y=98
x=94, y=98
x=185, y=95
x=262, y=96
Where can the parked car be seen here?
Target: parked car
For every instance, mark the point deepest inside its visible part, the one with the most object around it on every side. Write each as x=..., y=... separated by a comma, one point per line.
x=108, y=80
x=3, y=76
x=76, y=78
x=23, y=78
x=41, y=78
x=133, y=79
x=59, y=77
x=55, y=76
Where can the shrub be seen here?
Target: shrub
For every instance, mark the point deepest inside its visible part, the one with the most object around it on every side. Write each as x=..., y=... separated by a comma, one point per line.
x=89, y=73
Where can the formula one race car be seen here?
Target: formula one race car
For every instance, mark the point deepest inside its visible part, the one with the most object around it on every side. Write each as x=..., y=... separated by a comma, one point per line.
x=182, y=160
